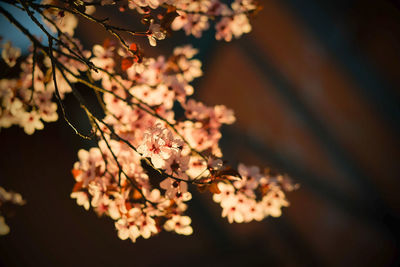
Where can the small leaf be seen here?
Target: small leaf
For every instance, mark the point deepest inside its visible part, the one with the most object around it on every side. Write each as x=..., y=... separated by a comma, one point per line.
x=136, y=194
x=133, y=47
x=226, y=172
x=128, y=205
x=76, y=172
x=146, y=19
x=107, y=43
x=77, y=187
x=213, y=188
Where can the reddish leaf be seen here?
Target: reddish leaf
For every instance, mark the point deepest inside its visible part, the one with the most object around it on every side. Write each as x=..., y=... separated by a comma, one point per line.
x=126, y=63
x=133, y=47
x=264, y=189
x=136, y=195
x=171, y=9
x=213, y=188
x=128, y=205
x=76, y=172
x=77, y=187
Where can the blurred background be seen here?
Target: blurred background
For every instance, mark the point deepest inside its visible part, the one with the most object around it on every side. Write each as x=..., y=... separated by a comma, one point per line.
x=315, y=89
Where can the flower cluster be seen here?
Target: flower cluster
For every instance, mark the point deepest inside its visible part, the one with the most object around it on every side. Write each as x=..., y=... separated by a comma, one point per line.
x=253, y=197
x=147, y=155
x=22, y=103
x=194, y=16
x=27, y=100
x=154, y=142
x=189, y=15
x=113, y=179
x=8, y=197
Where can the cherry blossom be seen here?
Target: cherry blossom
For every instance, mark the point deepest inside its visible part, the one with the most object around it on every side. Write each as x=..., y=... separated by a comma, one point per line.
x=153, y=142
x=253, y=197
x=179, y=224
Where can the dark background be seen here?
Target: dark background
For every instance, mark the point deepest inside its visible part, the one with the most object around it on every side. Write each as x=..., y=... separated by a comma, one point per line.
x=315, y=88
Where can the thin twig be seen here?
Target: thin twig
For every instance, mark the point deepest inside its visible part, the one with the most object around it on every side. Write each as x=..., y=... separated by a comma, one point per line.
x=58, y=93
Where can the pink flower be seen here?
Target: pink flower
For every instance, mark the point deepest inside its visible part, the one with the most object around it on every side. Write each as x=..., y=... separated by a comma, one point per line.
x=175, y=165
x=227, y=195
x=31, y=122
x=47, y=108
x=90, y=164
x=255, y=211
x=103, y=58
x=187, y=51
x=250, y=179
x=274, y=201
x=174, y=188
x=191, y=69
x=179, y=224
x=197, y=167
x=146, y=225
x=229, y=27
x=232, y=213
x=150, y=3
x=152, y=147
x=158, y=145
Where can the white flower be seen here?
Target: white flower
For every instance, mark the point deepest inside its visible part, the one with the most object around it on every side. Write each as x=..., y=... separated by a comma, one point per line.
x=175, y=189
x=126, y=229
x=146, y=225
x=159, y=144
x=227, y=195
x=10, y=54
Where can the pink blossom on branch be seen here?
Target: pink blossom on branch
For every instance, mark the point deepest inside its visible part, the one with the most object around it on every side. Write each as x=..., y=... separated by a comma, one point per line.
x=147, y=158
